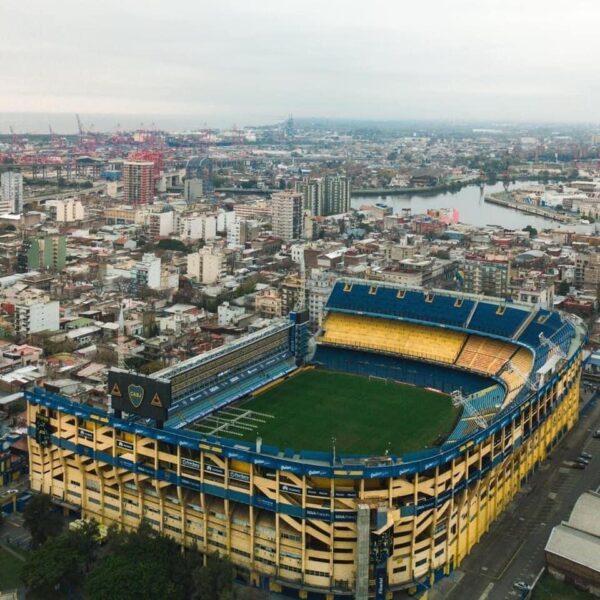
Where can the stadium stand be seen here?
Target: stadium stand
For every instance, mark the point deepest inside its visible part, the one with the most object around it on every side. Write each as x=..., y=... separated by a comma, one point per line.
x=445, y=379
x=496, y=319
x=409, y=304
x=396, y=337
x=485, y=355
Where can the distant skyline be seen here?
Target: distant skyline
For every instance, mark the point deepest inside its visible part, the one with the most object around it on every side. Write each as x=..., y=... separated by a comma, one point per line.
x=254, y=62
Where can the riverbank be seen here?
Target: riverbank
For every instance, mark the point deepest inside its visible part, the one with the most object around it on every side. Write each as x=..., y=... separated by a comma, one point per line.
x=504, y=199
x=401, y=191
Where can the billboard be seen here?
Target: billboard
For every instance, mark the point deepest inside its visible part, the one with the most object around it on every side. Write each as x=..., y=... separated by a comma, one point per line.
x=139, y=394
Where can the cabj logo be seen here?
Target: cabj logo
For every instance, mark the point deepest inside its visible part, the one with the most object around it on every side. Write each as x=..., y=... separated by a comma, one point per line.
x=136, y=394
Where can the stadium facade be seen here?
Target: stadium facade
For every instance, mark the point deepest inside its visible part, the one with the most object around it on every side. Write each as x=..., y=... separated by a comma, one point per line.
x=316, y=524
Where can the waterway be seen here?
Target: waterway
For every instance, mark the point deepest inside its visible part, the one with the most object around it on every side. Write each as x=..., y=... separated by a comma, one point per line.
x=472, y=209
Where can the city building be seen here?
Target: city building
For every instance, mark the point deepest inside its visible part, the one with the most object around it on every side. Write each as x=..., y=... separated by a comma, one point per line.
x=49, y=252
x=269, y=304
x=161, y=224
x=587, y=270
x=138, y=182
x=489, y=275
x=34, y=314
x=198, y=227
x=206, y=264
x=68, y=210
x=193, y=189
x=11, y=192
x=573, y=549
x=147, y=273
x=336, y=195
x=324, y=196
x=288, y=215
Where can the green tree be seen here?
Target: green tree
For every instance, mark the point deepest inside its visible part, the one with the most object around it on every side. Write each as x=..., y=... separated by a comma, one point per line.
x=41, y=519
x=172, y=244
x=161, y=570
x=61, y=561
x=215, y=580
x=532, y=231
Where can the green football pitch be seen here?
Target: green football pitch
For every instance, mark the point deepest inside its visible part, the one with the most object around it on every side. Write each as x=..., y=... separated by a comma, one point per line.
x=365, y=415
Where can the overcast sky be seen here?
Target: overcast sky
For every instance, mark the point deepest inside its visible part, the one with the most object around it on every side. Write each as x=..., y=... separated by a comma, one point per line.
x=256, y=61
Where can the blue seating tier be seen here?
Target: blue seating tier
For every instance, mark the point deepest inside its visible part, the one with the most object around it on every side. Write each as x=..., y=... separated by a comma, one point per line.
x=497, y=320
x=400, y=369
x=384, y=301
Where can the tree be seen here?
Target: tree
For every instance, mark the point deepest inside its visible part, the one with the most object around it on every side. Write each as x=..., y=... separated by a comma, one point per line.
x=41, y=519
x=215, y=580
x=61, y=561
x=161, y=571
x=172, y=244
x=532, y=231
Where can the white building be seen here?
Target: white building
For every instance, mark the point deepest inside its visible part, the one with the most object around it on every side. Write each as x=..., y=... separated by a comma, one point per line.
x=161, y=224
x=205, y=265
x=297, y=251
x=288, y=215
x=67, y=210
x=198, y=227
x=224, y=220
x=11, y=192
x=229, y=315
x=147, y=272
x=319, y=289
x=36, y=314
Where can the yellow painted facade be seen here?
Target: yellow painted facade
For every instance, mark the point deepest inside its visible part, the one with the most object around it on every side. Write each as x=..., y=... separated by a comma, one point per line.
x=438, y=513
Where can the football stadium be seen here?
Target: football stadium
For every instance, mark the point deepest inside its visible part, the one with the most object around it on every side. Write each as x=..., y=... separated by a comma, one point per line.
x=365, y=461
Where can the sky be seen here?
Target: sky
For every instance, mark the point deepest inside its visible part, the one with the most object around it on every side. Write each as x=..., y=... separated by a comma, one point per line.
x=256, y=61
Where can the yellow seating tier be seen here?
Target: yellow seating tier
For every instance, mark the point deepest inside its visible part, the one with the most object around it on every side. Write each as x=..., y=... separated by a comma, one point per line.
x=484, y=354
x=396, y=337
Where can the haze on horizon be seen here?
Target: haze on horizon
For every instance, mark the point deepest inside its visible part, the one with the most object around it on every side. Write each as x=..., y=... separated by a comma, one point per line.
x=256, y=61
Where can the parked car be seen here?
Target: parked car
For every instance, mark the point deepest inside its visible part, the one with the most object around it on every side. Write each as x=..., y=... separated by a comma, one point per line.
x=586, y=455
x=577, y=465
x=522, y=586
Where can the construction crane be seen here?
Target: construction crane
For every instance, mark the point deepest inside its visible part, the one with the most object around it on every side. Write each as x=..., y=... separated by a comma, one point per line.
x=459, y=400
x=80, y=125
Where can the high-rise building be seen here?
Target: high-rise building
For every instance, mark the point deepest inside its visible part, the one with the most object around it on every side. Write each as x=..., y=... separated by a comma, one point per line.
x=336, y=195
x=11, y=192
x=324, y=196
x=288, y=215
x=138, y=181
x=312, y=192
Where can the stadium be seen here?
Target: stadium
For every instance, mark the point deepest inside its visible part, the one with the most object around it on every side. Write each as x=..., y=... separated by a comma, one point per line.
x=365, y=462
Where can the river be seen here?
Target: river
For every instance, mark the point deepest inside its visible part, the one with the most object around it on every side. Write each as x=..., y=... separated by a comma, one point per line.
x=471, y=207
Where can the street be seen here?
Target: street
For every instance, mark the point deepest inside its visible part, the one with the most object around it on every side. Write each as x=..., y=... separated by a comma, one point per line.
x=513, y=549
